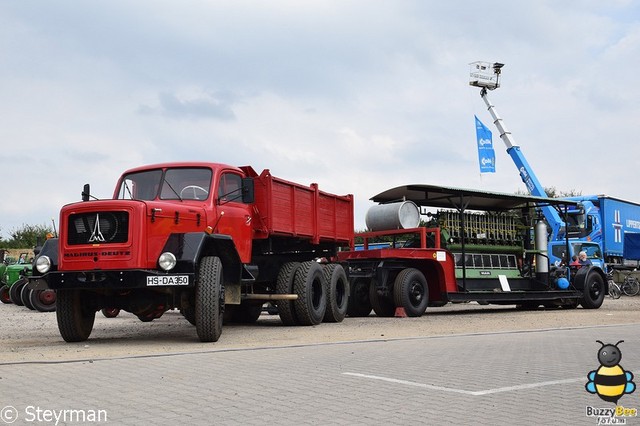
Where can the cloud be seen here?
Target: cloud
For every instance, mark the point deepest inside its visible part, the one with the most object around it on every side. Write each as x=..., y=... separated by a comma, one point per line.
x=206, y=106
x=358, y=96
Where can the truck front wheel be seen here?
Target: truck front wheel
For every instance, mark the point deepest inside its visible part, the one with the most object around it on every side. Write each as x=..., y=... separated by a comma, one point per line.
x=410, y=291
x=311, y=303
x=75, y=320
x=337, y=292
x=593, y=292
x=209, y=299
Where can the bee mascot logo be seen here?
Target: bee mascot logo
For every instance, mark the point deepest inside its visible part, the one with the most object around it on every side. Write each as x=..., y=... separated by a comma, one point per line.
x=610, y=381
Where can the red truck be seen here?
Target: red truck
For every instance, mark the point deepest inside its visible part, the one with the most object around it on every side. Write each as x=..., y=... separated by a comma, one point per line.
x=212, y=240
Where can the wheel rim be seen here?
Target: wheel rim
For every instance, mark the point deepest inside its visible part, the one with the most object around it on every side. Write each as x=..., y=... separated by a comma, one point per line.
x=47, y=297
x=416, y=293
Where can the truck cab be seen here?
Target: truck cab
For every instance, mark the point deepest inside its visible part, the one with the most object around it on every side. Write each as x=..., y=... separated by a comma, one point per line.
x=558, y=253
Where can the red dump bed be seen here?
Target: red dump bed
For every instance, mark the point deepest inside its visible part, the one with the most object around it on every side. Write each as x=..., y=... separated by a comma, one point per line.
x=289, y=209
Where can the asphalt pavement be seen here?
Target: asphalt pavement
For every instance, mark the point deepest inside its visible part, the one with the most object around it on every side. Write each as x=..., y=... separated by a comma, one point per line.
x=508, y=378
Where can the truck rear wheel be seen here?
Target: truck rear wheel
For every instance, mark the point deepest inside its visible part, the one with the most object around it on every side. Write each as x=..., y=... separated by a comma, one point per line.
x=337, y=292
x=284, y=285
x=43, y=300
x=593, y=292
x=75, y=321
x=209, y=299
x=311, y=303
x=410, y=291
x=5, y=297
x=382, y=305
x=359, y=303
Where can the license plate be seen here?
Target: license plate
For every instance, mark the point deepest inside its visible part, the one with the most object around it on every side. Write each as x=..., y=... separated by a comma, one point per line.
x=158, y=280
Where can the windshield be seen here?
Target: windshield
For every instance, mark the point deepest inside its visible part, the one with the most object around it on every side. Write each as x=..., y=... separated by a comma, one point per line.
x=592, y=250
x=172, y=184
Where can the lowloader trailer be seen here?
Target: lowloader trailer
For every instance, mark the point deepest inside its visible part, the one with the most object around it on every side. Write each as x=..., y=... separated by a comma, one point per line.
x=479, y=246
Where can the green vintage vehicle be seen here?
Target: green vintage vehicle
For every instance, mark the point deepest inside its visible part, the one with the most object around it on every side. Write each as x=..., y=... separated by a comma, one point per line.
x=15, y=288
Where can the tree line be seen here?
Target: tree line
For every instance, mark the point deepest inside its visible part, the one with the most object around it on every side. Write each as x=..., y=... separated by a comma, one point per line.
x=27, y=236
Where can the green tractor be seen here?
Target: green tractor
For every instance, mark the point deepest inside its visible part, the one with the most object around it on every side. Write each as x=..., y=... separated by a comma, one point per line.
x=15, y=290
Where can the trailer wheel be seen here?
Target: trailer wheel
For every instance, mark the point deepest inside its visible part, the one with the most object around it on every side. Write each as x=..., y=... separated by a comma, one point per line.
x=247, y=313
x=75, y=321
x=382, y=305
x=311, y=303
x=337, y=292
x=410, y=291
x=209, y=299
x=15, y=290
x=359, y=303
x=43, y=300
x=284, y=285
x=25, y=296
x=110, y=312
x=593, y=293
x=5, y=297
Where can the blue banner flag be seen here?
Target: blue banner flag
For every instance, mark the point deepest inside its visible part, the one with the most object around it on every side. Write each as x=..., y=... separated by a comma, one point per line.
x=486, y=154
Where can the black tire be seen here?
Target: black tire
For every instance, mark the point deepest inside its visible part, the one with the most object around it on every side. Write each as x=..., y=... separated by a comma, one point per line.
x=25, y=296
x=43, y=300
x=284, y=285
x=209, y=299
x=75, y=319
x=410, y=290
x=5, y=297
x=247, y=313
x=110, y=312
x=337, y=292
x=15, y=290
x=383, y=306
x=308, y=284
x=594, y=291
x=359, y=302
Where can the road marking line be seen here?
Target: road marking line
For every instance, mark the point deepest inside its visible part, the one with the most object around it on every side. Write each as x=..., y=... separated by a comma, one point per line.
x=463, y=391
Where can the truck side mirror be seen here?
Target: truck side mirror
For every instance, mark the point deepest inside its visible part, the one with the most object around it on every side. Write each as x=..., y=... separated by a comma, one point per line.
x=248, y=196
x=86, y=192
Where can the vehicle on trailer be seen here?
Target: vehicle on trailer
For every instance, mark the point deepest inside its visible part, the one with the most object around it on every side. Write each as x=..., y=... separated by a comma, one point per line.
x=477, y=246
x=209, y=239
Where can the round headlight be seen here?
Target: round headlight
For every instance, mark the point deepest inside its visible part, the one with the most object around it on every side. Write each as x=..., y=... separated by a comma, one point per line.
x=167, y=261
x=43, y=264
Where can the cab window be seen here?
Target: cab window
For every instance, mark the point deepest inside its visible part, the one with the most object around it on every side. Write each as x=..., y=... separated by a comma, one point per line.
x=230, y=188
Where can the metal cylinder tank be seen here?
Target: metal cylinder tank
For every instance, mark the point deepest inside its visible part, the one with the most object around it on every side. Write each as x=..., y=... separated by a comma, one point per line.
x=541, y=235
x=402, y=215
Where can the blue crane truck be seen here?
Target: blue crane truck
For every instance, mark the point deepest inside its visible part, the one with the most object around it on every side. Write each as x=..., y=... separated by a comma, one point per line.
x=607, y=221
x=588, y=223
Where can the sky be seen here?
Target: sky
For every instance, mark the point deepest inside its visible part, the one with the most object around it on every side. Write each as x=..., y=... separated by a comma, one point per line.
x=358, y=96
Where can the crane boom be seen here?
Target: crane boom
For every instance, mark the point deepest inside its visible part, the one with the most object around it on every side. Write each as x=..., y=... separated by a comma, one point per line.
x=526, y=172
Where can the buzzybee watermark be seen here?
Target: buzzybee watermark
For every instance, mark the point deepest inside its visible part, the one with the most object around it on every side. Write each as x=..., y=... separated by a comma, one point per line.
x=36, y=414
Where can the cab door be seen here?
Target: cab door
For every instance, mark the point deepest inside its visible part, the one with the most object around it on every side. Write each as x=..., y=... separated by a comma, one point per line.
x=234, y=215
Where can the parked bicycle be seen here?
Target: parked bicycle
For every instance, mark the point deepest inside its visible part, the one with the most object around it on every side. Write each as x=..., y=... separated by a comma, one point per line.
x=614, y=289
x=630, y=286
